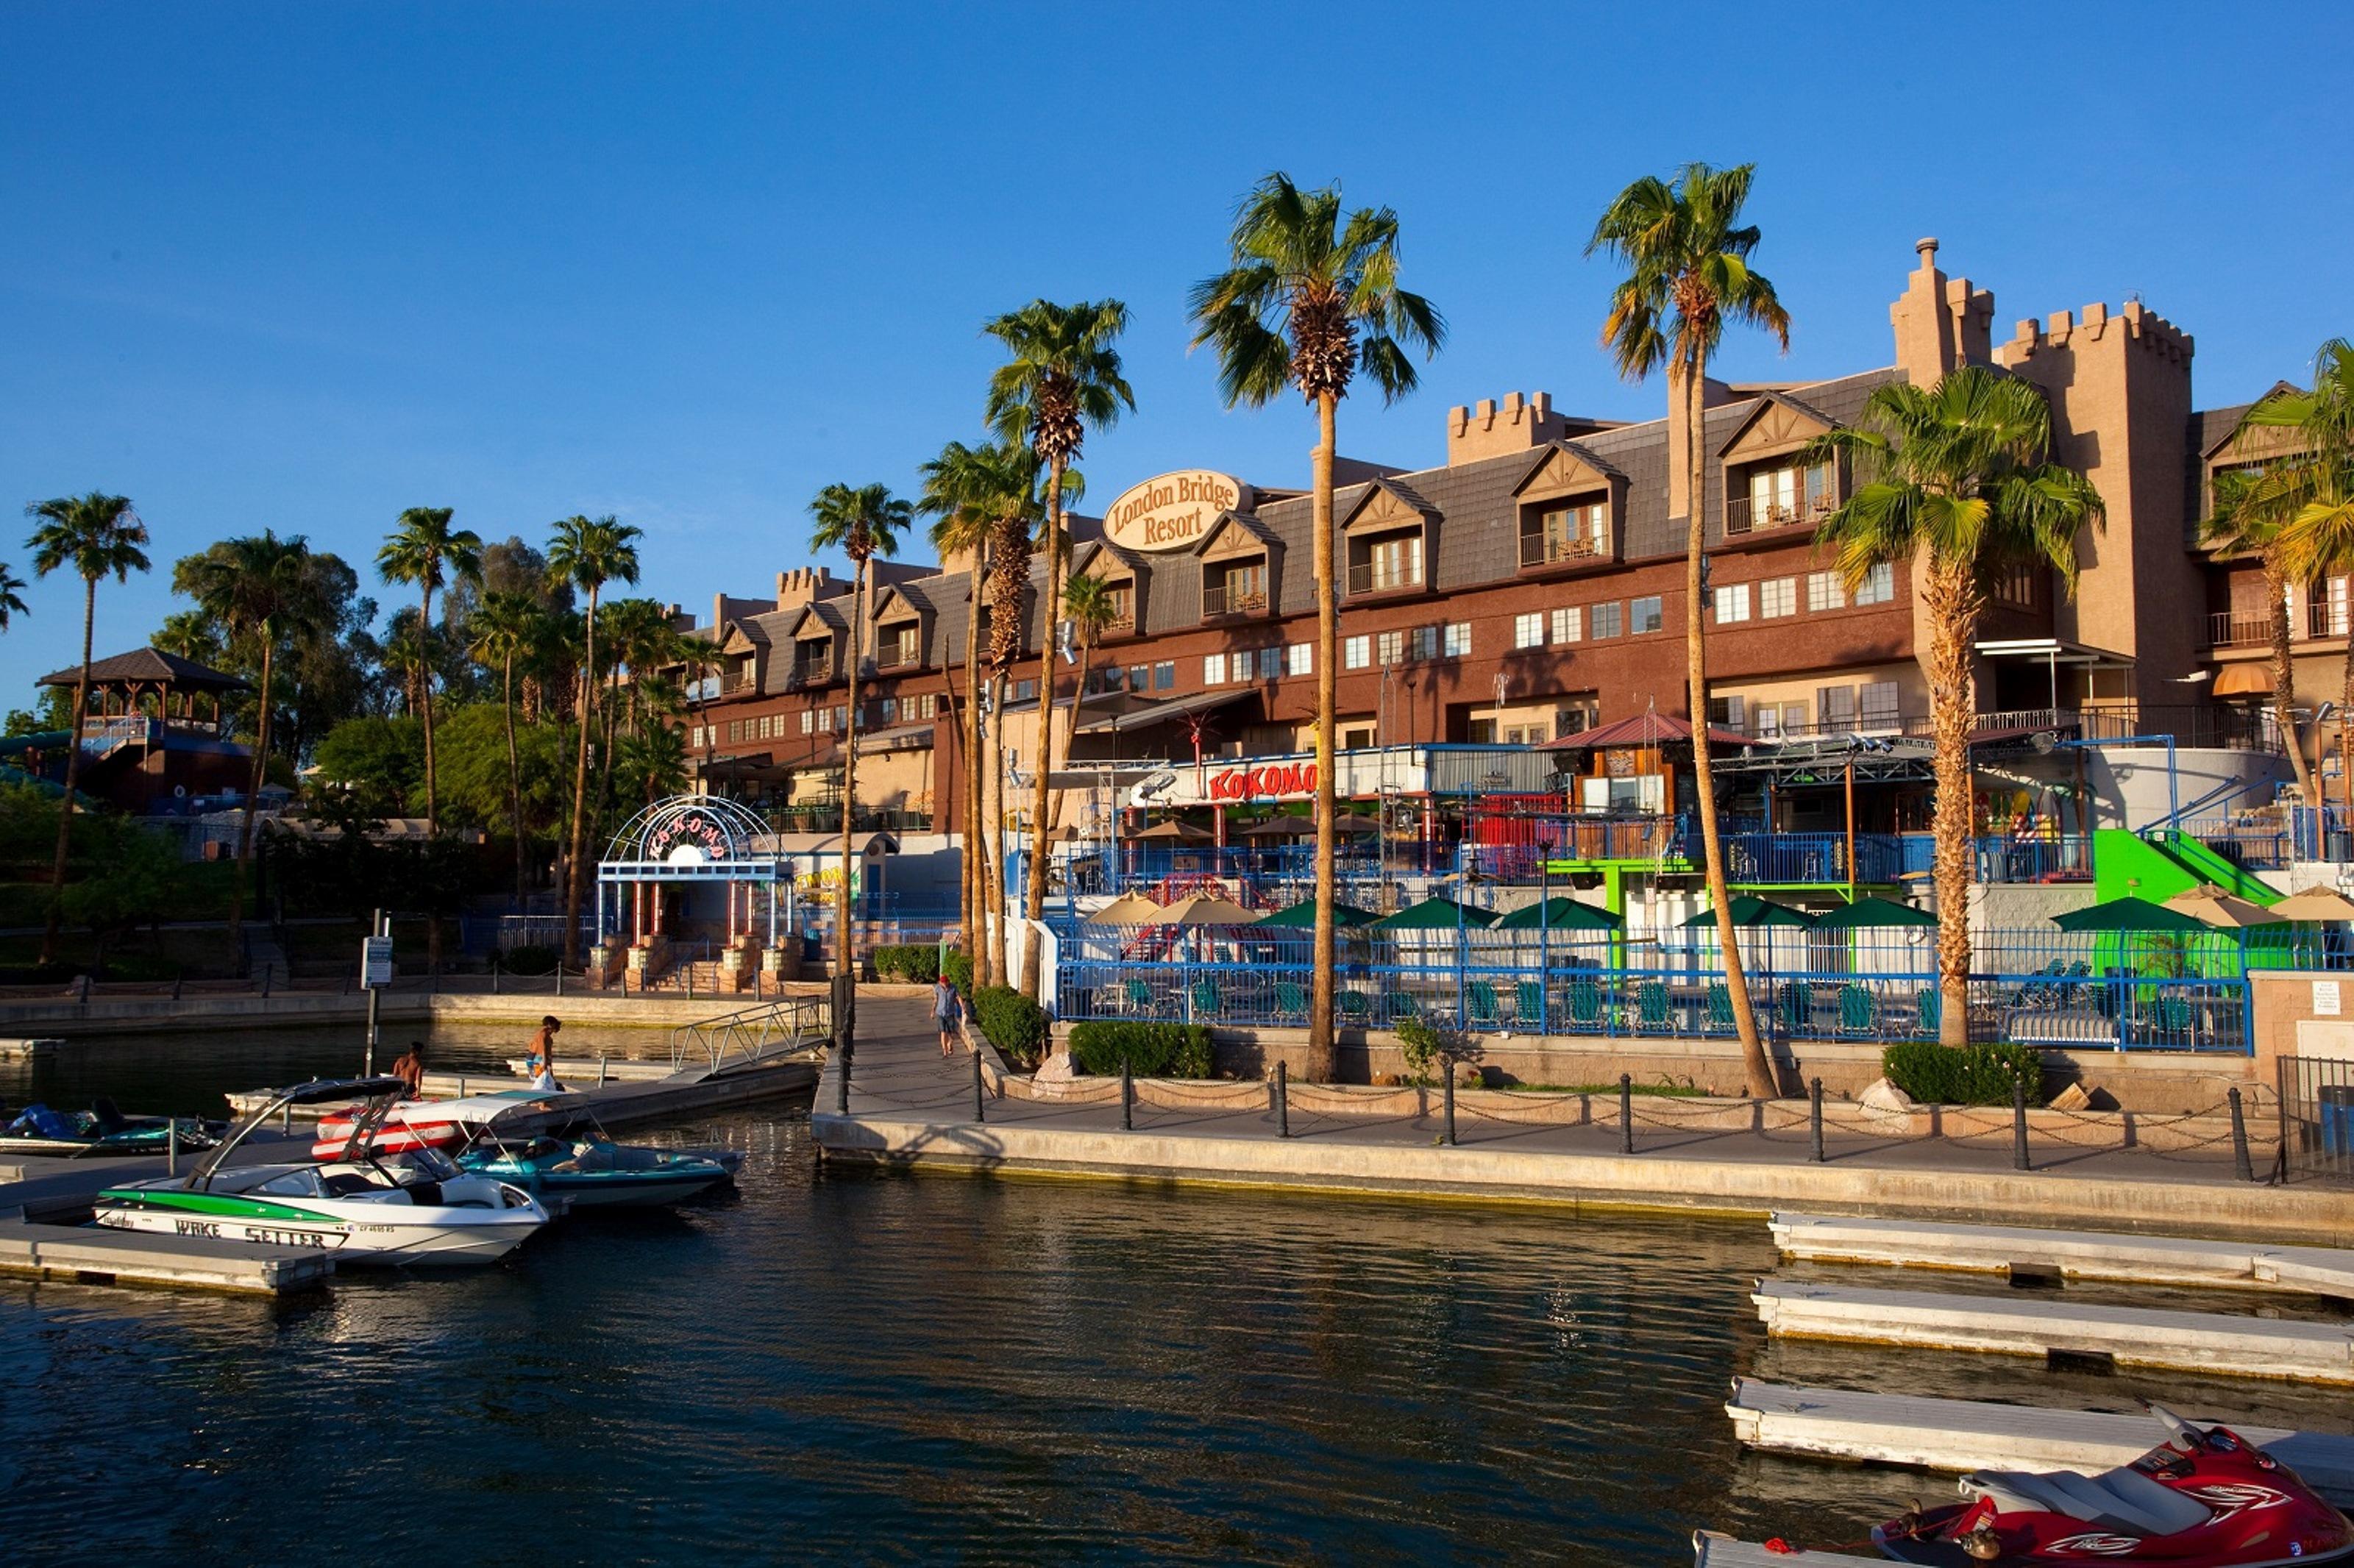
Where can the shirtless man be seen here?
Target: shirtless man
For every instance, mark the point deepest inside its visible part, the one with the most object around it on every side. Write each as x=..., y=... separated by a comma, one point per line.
x=541, y=1055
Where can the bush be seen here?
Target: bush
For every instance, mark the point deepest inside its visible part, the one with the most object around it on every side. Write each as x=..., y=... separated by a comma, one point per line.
x=1014, y=1024
x=1151, y=1050
x=528, y=960
x=959, y=968
x=1972, y=1076
x=917, y=963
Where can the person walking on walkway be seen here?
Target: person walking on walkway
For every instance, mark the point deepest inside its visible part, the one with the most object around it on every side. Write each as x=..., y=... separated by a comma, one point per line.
x=541, y=1056
x=948, y=1011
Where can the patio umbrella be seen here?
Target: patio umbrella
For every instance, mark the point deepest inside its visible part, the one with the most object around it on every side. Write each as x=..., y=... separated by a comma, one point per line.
x=1206, y=909
x=1560, y=914
x=2210, y=906
x=1128, y=909
x=1171, y=832
x=1280, y=828
x=1873, y=914
x=1748, y=909
x=2127, y=914
x=2315, y=905
x=1302, y=915
x=1434, y=915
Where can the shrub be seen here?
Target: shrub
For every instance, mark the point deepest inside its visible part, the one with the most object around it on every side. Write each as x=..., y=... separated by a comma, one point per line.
x=917, y=963
x=1422, y=1043
x=1014, y=1024
x=528, y=960
x=1973, y=1075
x=1151, y=1050
x=959, y=968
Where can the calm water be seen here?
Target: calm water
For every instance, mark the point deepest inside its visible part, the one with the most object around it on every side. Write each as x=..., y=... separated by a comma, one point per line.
x=940, y=1369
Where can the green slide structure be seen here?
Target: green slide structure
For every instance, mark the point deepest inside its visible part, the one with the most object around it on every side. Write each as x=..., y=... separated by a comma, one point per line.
x=2166, y=863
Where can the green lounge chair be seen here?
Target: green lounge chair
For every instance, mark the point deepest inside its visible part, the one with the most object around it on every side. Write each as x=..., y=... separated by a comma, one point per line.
x=1928, y=1013
x=1397, y=1004
x=1207, y=1002
x=1798, y=1003
x=1353, y=1007
x=1653, y=1014
x=1584, y=1006
x=1720, y=1009
x=1140, y=998
x=1529, y=1005
x=1291, y=1000
x=1858, y=1012
x=1487, y=1012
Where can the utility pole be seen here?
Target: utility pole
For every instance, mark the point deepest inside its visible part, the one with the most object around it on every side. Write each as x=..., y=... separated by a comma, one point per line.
x=375, y=973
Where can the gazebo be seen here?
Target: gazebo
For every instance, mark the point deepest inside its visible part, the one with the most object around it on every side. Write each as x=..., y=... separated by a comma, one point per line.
x=156, y=731
x=658, y=864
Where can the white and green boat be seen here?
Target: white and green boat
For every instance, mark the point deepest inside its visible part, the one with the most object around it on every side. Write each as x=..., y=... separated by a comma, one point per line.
x=414, y=1207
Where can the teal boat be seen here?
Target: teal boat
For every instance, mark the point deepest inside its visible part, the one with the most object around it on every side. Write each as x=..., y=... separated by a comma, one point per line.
x=101, y=1130
x=596, y=1173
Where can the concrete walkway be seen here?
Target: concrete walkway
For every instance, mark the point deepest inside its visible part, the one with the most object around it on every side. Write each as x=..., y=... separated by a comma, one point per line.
x=908, y=1108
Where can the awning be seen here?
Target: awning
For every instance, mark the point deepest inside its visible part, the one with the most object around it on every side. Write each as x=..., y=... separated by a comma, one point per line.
x=2244, y=678
x=1162, y=712
x=2054, y=650
x=899, y=737
x=1644, y=729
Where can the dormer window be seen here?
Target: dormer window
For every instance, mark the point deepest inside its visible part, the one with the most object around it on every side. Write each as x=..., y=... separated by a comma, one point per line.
x=1235, y=588
x=1555, y=533
x=813, y=661
x=1385, y=562
x=898, y=644
x=1781, y=494
x=1121, y=597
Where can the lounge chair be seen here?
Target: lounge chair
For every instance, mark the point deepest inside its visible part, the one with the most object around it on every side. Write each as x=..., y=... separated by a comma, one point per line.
x=1798, y=1005
x=1291, y=1000
x=1529, y=1006
x=1586, y=1014
x=1928, y=1013
x=1353, y=1008
x=1397, y=1004
x=1720, y=1010
x=1652, y=1013
x=1486, y=1011
x=1858, y=1012
x=1207, y=1002
x=1140, y=998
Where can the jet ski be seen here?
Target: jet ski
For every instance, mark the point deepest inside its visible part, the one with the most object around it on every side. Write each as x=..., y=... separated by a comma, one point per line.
x=2206, y=1497
x=102, y=1130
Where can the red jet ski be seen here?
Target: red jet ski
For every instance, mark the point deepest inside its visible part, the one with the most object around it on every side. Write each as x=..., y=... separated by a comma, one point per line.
x=2205, y=1498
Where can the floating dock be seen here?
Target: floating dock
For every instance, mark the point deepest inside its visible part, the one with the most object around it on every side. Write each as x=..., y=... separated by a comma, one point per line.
x=88, y=1255
x=1710, y=1549
x=31, y=1050
x=2023, y=1251
x=2119, y=1336
x=1962, y=1434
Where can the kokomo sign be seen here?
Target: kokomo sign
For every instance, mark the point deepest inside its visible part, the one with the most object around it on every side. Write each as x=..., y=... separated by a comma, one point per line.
x=1174, y=511
x=1220, y=784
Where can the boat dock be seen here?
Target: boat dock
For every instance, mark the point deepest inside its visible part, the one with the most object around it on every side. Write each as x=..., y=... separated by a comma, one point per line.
x=1710, y=1549
x=89, y=1256
x=1962, y=1434
x=2025, y=1251
x=2118, y=1336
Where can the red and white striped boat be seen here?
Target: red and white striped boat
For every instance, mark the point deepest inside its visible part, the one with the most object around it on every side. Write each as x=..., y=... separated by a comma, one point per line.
x=421, y=1124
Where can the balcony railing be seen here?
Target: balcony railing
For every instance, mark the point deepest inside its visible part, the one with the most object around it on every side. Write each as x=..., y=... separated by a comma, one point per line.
x=1383, y=577
x=1546, y=549
x=2225, y=630
x=894, y=655
x=1224, y=598
x=2323, y=617
x=1742, y=515
x=809, y=672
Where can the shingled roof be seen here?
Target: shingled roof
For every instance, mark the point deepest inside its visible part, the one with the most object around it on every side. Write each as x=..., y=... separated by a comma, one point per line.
x=150, y=667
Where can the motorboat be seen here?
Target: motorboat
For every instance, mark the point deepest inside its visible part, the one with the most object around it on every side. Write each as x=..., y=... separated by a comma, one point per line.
x=413, y=1206
x=596, y=1173
x=102, y=1129
x=2206, y=1497
x=447, y=1125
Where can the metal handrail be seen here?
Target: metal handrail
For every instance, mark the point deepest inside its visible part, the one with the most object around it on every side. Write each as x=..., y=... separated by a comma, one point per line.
x=797, y=1022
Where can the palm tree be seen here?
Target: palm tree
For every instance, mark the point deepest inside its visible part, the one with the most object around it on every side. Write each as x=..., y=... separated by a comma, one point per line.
x=639, y=636
x=2253, y=510
x=1310, y=296
x=99, y=535
x=499, y=634
x=703, y=658
x=1687, y=255
x=2320, y=536
x=1955, y=478
x=1063, y=376
x=587, y=554
x=862, y=522
x=424, y=550
x=189, y=633
x=984, y=497
x=12, y=596
x=259, y=587
x=1087, y=605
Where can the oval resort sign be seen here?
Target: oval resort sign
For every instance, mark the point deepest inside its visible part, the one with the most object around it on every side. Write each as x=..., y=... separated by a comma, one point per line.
x=1174, y=511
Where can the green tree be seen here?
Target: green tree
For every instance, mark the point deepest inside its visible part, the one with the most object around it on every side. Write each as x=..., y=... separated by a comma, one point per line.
x=2320, y=538
x=862, y=522
x=1958, y=479
x=1061, y=377
x=190, y=634
x=500, y=635
x=137, y=879
x=425, y=551
x=587, y=554
x=1088, y=604
x=1309, y=298
x=98, y=536
x=1687, y=257
x=258, y=588
x=12, y=596
x=374, y=761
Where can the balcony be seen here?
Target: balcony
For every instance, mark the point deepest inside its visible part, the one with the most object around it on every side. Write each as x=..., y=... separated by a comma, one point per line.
x=2228, y=629
x=896, y=653
x=1224, y=598
x=809, y=672
x=2326, y=619
x=1383, y=577
x=1547, y=549
x=1742, y=517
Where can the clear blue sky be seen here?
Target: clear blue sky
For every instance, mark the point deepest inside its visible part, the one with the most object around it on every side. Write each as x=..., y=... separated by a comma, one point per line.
x=302, y=266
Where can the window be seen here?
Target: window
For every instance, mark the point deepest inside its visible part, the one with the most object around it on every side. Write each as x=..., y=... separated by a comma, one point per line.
x=897, y=645
x=1777, y=596
x=825, y=721
x=1879, y=585
x=1772, y=721
x=696, y=741
x=1606, y=621
x=842, y=716
x=1837, y=706
x=1164, y=675
x=1824, y=591
x=1392, y=563
x=1880, y=705
x=1572, y=533
x=1458, y=639
x=1025, y=691
x=1425, y=642
x=809, y=721
x=1727, y=713
x=1213, y=670
x=1357, y=737
x=1357, y=653
x=1529, y=630
x=1778, y=497
x=1139, y=677
x=1300, y=659
x=1577, y=716
x=1646, y=614
x=1732, y=604
x=891, y=710
x=1121, y=598
x=1270, y=662
x=1392, y=647
x=1236, y=589
x=1569, y=624
x=1480, y=732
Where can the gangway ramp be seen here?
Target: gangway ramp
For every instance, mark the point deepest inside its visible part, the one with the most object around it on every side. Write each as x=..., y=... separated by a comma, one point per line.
x=1961, y=1435
x=2120, y=1336
x=2030, y=1251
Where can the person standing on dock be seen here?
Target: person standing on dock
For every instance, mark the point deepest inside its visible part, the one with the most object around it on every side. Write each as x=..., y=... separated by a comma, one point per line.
x=948, y=1011
x=541, y=1057
x=409, y=1068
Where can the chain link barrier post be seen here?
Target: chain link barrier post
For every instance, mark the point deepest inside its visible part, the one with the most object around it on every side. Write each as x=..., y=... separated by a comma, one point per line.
x=1626, y=1113
x=2019, y=1160
x=1450, y=1104
x=1282, y=1100
x=980, y=1103
x=1127, y=1098
x=2241, y=1166
x=1815, y=1114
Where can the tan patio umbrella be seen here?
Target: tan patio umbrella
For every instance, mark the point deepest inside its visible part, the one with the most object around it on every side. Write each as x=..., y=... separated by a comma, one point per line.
x=1128, y=909
x=1169, y=832
x=2315, y=905
x=2209, y=904
x=1206, y=909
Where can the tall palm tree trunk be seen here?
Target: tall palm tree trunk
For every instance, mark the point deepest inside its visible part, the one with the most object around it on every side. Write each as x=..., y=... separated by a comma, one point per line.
x=1320, y=1056
x=73, y=776
x=573, y=880
x=514, y=775
x=1079, y=700
x=1756, y=1065
x=993, y=828
x=2283, y=680
x=1032, y=950
x=424, y=682
x=845, y=951
x=252, y=799
x=1953, y=617
x=2346, y=734
x=976, y=856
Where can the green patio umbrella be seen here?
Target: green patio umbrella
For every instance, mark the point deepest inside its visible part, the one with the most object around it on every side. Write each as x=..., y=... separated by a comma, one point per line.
x=2127, y=914
x=1560, y=914
x=1434, y=915
x=1748, y=909
x=1873, y=914
x=1303, y=914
